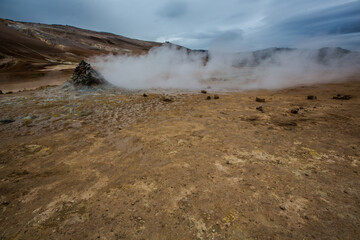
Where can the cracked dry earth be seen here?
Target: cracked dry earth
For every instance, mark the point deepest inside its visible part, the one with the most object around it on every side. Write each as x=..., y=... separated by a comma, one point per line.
x=122, y=166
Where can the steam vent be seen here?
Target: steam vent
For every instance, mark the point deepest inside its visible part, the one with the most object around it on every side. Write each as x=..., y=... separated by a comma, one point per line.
x=85, y=75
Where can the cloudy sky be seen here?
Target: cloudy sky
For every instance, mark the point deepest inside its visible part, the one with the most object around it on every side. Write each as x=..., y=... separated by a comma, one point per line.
x=203, y=24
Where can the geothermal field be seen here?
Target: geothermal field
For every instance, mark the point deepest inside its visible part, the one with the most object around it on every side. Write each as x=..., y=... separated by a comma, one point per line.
x=146, y=140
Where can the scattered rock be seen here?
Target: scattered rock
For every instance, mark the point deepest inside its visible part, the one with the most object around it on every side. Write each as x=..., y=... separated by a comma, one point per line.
x=166, y=99
x=1, y=92
x=203, y=91
x=85, y=75
x=228, y=162
x=29, y=118
x=342, y=97
x=295, y=111
x=6, y=121
x=311, y=97
x=251, y=118
x=283, y=207
x=260, y=108
x=208, y=98
x=216, y=96
x=285, y=123
x=145, y=95
x=9, y=92
x=5, y=203
x=260, y=99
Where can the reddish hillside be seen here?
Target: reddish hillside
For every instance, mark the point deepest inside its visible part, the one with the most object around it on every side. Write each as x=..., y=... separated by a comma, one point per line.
x=31, y=51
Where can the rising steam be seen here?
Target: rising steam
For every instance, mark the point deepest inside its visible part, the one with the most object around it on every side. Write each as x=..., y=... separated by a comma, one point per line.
x=170, y=66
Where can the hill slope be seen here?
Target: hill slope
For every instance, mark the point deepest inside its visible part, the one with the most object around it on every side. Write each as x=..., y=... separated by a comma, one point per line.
x=29, y=51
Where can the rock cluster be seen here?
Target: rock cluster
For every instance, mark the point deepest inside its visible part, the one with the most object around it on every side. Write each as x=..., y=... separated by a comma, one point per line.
x=342, y=97
x=85, y=75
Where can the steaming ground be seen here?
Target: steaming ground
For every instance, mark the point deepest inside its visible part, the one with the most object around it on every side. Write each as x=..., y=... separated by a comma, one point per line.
x=171, y=66
x=113, y=164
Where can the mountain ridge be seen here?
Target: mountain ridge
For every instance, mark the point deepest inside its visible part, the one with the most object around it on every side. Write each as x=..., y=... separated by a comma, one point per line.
x=29, y=51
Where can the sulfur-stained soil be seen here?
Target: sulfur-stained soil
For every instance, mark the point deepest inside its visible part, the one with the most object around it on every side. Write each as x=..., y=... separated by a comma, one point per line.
x=117, y=165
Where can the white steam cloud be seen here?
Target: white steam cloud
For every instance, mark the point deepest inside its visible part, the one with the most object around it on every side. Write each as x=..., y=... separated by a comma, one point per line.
x=170, y=66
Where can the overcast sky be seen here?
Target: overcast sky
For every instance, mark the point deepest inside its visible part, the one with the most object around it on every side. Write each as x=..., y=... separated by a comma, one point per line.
x=203, y=24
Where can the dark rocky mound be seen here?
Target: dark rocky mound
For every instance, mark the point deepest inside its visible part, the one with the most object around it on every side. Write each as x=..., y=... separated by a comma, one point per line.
x=85, y=75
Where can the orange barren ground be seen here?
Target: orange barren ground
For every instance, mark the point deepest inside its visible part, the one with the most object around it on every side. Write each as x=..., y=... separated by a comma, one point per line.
x=118, y=165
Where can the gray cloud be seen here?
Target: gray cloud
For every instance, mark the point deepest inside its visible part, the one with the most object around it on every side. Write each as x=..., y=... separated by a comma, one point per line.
x=335, y=20
x=202, y=23
x=173, y=9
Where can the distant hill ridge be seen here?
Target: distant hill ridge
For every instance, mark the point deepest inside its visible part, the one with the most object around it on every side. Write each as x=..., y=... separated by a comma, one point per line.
x=32, y=50
x=29, y=51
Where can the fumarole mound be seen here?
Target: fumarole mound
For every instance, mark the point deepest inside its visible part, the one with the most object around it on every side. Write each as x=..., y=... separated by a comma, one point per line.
x=85, y=75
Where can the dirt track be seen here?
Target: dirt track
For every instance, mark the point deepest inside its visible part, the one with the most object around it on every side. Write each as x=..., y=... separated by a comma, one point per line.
x=124, y=166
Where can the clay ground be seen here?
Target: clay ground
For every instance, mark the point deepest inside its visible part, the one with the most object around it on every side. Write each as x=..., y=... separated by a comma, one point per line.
x=123, y=166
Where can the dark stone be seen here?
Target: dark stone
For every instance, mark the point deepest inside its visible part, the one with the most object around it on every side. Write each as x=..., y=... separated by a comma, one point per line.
x=342, y=97
x=286, y=124
x=294, y=111
x=311, y=97
x=10, y=92
x=6, y=121
x=208, y=98
x=260, y=108
x=203, y=91
x=1, y=92
x=145, y=95
x=167, y=99
x=85, y=75
x=260, y=99
x=216, y=96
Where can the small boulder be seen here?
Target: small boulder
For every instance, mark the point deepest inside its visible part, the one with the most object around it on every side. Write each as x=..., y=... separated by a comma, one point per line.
x=208, y=98
x=283, y=207
x=295, y=110
x=216, y=96
x=145, y=95
x=167, y=99
x=311, y=97
x=203, y=91
x=342, y=97
x=6, y=121
x=1, y=92
x=85, y=75
x=260, y=99
x=260, y=108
